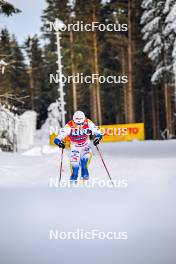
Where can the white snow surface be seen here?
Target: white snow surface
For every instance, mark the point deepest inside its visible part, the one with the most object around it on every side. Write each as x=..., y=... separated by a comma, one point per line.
x=149, y=161
x=145, y=209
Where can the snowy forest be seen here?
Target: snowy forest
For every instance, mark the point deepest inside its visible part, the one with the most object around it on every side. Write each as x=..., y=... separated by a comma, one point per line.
x=146, y=53
x=71, y=194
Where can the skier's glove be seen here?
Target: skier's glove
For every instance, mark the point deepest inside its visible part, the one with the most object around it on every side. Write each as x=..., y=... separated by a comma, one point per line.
x=96, y=141
x=59, y=143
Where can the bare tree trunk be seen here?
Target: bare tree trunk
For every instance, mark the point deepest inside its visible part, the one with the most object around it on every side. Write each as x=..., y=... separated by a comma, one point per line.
x=173, y=104
x=168, y=108
x=74, y=88
x=143, y=110
x=171, y=110
x=31, y=83
x=95, y=49
x=157, y=113
x=123, y=61
x=93, y=103
x=174, y=110
x=130, y=91
x=154, y=113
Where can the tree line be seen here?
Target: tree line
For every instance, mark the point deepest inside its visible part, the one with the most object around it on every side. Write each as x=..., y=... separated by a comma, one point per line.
x=145, y=53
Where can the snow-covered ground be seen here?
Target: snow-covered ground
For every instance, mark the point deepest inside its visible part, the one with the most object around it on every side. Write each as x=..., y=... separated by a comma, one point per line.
x=148, y=162
x=145, y=209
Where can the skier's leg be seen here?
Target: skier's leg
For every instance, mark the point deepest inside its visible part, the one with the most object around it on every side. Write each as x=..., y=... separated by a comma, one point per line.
x=85, y=160
x=74, y=164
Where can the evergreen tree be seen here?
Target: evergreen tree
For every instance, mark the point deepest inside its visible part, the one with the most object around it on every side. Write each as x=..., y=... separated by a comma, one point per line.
x=14, y=78
x=112, y=51
x=37, y=78
x=6, y=56
x=159, y=49
x=19, y=77
x=7, y=9
x=170, y=34
x=156, y=46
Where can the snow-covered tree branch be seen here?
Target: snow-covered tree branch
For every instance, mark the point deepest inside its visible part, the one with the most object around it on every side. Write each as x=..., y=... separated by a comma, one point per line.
x=159, y=34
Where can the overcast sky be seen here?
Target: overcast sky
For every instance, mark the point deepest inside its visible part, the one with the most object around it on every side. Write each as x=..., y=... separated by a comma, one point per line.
x=26, y=23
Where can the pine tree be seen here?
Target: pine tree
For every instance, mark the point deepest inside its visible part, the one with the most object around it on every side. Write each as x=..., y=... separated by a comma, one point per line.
x=7, y=9
x=19, y=77
x=37, y=78
x=14, y=78
x=170, y=34
x=6, y=56
x=158, y=48
x=113, y=59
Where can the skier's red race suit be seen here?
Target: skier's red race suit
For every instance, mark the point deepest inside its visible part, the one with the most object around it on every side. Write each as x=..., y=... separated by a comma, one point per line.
x=81, y=152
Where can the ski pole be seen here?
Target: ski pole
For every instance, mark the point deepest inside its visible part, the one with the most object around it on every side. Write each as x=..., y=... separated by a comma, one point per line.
x=60, y=176
x=105, y=165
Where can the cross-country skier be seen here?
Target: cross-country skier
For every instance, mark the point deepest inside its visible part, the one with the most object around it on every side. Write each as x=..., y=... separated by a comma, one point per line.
x=79, y=130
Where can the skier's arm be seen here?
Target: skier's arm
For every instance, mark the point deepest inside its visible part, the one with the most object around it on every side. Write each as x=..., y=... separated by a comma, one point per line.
x=96, y=132
x=64, y=132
